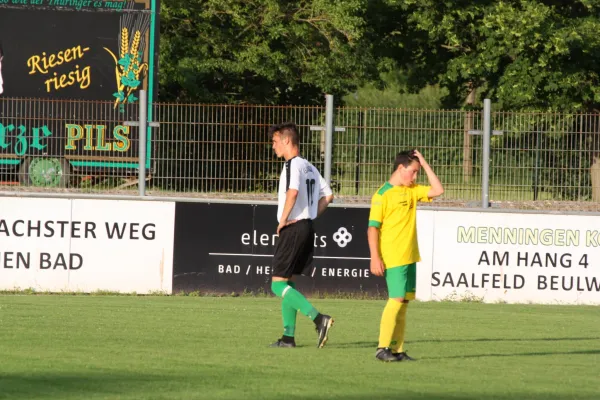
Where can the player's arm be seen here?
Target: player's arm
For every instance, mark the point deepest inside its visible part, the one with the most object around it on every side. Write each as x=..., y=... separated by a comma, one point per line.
x=290, y=195
x=375, y=221
x=323, y=203
x=377, y=266
x=290, y=200
x=436, y=185
x=325, y=196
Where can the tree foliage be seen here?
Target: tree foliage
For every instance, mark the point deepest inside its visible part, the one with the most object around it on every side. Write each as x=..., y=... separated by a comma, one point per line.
x=522, y=54
x=263, y=51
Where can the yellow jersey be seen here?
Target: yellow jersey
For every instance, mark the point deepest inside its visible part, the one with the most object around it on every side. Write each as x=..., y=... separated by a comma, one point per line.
x=394, y=213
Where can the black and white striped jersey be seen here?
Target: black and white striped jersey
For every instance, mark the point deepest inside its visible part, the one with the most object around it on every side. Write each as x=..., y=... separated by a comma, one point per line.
x=301, y=175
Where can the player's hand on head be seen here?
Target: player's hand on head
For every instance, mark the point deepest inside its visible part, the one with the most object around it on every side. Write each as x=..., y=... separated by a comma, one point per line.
x=418, y=154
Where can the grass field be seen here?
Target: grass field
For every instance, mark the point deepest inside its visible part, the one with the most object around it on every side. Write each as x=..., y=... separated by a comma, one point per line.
x=117, y=347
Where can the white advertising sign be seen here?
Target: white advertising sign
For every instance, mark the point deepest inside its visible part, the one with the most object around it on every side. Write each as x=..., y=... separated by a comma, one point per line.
x=516, y=258
x=77, y=245
x=425, y=226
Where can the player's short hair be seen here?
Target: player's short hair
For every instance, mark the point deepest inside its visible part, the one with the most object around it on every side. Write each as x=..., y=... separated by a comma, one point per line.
x=287, y=129
x=405, y=158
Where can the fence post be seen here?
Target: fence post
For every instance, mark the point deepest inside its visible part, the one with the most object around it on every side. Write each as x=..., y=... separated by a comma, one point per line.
x=142, y=145
x=328, y=136
x=362, y=124
x=485, y=170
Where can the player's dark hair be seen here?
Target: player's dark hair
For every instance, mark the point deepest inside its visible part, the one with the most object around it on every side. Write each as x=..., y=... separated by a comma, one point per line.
x=405, y=158
x=287, y=129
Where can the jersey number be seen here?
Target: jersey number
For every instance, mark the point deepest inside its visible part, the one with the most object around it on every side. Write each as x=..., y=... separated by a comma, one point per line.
x=310, y=187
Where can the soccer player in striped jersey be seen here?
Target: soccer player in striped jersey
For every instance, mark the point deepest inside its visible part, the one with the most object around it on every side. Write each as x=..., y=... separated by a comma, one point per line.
x=303, y=196
x=392, y=236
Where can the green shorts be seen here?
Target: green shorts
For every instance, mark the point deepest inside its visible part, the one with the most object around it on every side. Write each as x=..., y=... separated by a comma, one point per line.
x=402, y=281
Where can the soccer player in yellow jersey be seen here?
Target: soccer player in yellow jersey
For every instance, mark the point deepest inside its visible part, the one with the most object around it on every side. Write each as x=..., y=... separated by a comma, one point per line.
x=392, y=235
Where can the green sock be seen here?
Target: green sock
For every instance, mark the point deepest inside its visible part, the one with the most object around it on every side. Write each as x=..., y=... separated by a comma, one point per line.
x=278, y=287
x=294, y=299
x=289, y=316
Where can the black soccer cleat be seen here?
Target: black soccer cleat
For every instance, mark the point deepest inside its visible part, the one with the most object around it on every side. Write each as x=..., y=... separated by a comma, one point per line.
x=384, y=354
x=281, y=343
x=323, y=330
x=403, y=357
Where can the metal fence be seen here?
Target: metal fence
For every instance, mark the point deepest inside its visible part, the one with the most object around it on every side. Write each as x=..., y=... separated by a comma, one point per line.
x=223, y=148
x=364, y=152
x=77, y=146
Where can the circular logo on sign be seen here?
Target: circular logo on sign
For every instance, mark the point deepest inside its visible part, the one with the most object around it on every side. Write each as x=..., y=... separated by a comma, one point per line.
x=342, y=237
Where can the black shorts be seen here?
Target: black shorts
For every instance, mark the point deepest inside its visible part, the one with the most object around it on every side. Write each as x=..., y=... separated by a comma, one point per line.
x=294, y=250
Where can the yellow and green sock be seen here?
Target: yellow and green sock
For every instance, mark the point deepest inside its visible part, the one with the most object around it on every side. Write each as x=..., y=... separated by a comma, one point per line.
x=388, y=322
x=397, y=344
